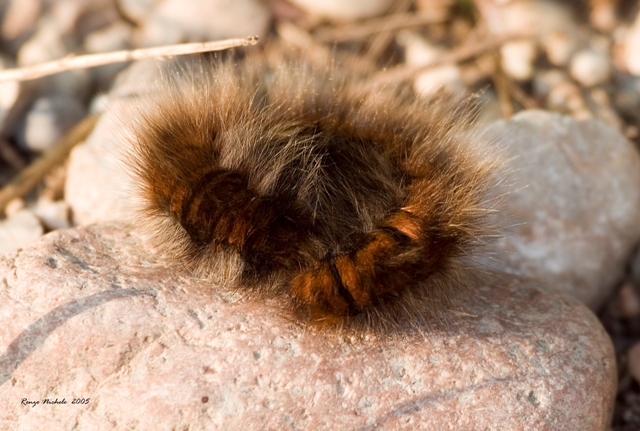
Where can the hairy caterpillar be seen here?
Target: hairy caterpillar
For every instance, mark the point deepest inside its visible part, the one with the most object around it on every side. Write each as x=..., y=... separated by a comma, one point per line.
x=290, y=182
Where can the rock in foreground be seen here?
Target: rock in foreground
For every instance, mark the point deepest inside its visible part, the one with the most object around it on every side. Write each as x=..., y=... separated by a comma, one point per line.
x=86, y=315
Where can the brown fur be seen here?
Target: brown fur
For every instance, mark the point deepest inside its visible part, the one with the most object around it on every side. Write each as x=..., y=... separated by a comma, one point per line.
x=290, y=182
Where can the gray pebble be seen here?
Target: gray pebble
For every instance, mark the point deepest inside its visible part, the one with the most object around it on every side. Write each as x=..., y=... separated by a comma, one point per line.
x=19, y=21
x=136, y=10
x=176, y=21
x=572, y=208
x=47, y=120
x=53, y=215
x=96, y=184
x=344, y=10
x=114, y=37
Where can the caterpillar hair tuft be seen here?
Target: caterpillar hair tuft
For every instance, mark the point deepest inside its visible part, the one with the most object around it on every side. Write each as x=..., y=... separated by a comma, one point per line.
x=275, y=179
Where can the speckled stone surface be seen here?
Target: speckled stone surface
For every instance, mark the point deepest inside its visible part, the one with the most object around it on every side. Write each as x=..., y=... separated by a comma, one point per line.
x=85, y=314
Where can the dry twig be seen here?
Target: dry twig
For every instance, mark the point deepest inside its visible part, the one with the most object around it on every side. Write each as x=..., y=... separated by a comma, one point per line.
x=404, y=73
x=32, y=174
x=11, y=155
x=379, y=25
x=380, y=41
x=92, y=60
x=317, y=53
x=520, y=96
x=500, y=82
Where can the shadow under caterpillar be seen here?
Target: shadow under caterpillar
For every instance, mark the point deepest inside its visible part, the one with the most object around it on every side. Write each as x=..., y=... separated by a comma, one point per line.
x=289, y=182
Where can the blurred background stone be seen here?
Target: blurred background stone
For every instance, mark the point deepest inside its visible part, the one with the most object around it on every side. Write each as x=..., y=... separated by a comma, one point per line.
x=19, y=21
x=47, y=121
x=52, y=214
x=137, y=10
x=177, y=21
x=419, y=51
x=97, y=187
x=344, y=11
x=19, y=230
x=572, y=205
x=590, y=67
x=632, y=47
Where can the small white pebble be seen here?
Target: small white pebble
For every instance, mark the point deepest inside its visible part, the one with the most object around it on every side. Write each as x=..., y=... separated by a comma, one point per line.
x=99, y=104
x=19, y=230
x=47, y=120
x=9, y=92
x=53, y=215
x=632, y=48
x=419, y=51
x=14, y=205
x=344, y=10
x=590, y=68
x=517, y=59
x=559, y=47
x=136, y=10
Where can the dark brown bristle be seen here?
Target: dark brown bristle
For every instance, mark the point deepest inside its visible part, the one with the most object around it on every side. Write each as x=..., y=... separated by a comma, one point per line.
x=348, y=204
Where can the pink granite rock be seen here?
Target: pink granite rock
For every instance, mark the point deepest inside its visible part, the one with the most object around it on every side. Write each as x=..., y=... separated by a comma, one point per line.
x=86, y=315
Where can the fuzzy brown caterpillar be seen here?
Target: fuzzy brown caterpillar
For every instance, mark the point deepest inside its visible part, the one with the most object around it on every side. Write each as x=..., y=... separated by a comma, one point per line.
x=291, y=183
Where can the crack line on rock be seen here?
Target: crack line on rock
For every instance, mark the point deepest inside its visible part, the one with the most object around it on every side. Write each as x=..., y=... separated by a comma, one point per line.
x=73, y=259
x=36, y=334
x=432, y=399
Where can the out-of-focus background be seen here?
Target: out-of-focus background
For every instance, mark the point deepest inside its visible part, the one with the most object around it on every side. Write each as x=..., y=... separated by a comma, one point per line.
x=580, y=58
